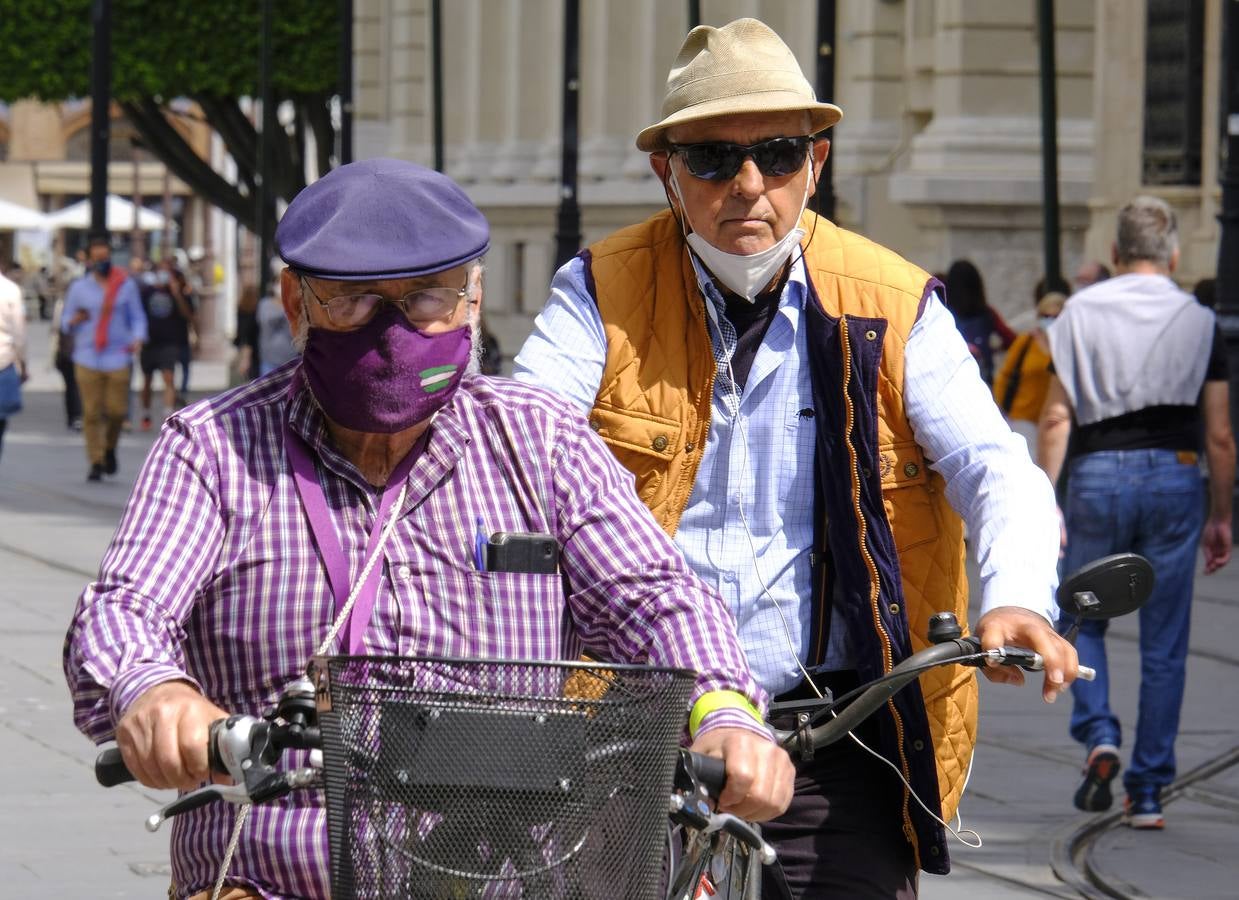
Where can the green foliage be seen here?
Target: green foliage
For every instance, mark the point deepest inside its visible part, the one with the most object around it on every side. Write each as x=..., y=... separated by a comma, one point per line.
x=167, y=48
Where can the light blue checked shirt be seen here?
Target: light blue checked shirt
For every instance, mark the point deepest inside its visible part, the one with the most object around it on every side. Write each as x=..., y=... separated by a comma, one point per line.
x=755, y=482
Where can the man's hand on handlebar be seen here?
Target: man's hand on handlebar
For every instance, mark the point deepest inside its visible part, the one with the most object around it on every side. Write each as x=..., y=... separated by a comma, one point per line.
x=163, y=736
x=760, y=775
x=1021, y=627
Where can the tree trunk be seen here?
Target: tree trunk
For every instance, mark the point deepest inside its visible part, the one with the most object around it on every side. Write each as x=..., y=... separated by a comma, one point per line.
x=166, y=143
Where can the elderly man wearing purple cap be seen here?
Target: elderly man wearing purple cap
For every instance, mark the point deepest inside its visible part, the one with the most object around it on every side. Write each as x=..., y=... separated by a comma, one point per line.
x=803, y=418
x=250, y=527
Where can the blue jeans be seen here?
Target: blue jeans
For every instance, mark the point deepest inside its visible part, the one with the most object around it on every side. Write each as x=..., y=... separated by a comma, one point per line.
x=1151, y=503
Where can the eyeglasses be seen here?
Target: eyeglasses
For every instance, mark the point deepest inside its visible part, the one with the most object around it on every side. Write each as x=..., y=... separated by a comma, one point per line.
x=719, y=161
x=420, y=307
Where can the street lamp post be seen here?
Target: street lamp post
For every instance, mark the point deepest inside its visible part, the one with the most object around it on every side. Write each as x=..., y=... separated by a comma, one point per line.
x=436, y=80
x=100, y=105
x=1227, y=287
x=568, y=223
x=824, y=197
x=266, y=151
x=346, y=82
x=1049, y=147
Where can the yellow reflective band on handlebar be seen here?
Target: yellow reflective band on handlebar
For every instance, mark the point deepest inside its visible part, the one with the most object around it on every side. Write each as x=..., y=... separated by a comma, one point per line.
x=711, y=701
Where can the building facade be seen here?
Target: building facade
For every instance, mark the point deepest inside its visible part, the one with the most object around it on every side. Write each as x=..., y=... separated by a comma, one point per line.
x=938, y=154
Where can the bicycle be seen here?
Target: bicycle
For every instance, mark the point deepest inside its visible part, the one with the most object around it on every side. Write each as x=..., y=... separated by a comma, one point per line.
x=574, y=805
x=719, y=850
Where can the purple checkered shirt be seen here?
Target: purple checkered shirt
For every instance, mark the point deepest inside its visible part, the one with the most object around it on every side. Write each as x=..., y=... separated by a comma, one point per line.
x=213, y=577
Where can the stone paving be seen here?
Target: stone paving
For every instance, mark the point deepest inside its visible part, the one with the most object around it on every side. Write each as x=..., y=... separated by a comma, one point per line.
x=66, y=837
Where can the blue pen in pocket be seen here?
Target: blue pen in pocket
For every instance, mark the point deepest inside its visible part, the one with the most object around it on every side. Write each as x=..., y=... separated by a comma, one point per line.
x=479, y=546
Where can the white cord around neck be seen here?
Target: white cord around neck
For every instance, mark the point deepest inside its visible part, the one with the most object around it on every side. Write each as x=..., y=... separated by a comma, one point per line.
x=244, y=809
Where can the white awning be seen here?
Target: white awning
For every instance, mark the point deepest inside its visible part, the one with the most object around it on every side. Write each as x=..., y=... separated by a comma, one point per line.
x=15, y=217
x=119, y=216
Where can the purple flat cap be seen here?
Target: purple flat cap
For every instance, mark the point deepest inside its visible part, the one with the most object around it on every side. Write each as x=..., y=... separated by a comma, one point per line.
x=381, y=218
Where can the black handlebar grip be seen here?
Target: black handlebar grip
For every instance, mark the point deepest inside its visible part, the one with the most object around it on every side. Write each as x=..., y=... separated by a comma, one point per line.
x=110, y=768
x=710, y=772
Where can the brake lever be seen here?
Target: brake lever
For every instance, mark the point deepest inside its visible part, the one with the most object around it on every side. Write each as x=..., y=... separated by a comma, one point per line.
x=1028, y=660
x=232, y=793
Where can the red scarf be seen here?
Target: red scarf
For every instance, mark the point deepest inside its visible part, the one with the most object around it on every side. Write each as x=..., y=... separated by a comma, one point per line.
x=115, y=279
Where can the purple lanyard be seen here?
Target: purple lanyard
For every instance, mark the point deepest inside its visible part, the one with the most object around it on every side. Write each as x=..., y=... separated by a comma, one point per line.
x=315, y=504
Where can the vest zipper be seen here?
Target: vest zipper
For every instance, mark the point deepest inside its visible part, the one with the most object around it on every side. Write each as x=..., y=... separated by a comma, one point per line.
x=874, y=579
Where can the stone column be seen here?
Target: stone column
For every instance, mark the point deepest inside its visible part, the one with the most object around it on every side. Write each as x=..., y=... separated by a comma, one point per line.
x=973, y=173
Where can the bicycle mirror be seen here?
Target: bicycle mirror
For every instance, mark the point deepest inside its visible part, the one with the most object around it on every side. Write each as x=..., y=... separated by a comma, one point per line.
x=1108, y=587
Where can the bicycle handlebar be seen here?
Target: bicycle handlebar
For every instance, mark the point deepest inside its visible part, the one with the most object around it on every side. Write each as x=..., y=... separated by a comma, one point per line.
x=869, y=698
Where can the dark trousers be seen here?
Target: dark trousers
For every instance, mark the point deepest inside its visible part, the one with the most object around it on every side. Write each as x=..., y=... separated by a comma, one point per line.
x=73, y=400
x=842, y=836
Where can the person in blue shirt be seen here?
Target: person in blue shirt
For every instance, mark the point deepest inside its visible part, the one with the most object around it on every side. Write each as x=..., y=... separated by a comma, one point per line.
x=103, y=313
x=744, y=357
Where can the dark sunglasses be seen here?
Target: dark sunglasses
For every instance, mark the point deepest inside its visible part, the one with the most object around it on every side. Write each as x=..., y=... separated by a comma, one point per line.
x=718, y=161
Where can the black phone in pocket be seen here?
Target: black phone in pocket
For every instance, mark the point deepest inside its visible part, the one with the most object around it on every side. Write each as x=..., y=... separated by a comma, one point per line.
x=522, y=551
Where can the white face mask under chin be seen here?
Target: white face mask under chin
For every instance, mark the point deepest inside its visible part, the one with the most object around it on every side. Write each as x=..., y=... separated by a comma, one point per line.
x=745, y=275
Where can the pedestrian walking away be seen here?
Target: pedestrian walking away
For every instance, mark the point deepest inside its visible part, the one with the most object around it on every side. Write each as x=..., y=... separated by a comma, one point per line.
x=103, y=313
x=13, y=370
x=803, y=418
x=1139, y=374
x=1021, y=384
x=352, y=496
x=170, y=321
x=979, y=323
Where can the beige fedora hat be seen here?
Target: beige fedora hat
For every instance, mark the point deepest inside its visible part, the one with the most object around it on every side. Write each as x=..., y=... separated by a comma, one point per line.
x=743, y=67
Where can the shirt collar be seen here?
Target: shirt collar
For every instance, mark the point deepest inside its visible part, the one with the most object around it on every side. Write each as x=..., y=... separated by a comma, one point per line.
x=794, y=292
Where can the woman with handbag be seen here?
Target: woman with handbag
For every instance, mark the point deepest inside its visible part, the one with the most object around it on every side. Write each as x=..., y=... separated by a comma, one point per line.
x=1022, y=382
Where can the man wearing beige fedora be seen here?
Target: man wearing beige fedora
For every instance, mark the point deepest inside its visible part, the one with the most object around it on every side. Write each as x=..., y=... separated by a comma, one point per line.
x=801, y=414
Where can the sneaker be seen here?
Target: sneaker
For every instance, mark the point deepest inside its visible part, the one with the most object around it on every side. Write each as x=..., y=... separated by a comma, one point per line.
x=96, y=473
x=1143, y=809
x=109, y=462
x=1093, y=795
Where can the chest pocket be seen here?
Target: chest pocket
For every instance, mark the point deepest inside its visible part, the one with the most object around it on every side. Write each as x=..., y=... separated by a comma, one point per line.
x=905, y=494
x=463, y=612
x=794, y=459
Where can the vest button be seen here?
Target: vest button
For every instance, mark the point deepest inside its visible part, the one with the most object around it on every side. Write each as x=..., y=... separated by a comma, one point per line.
x=595, y=425
x=894, y=609
x=934, y=851
x=918, y=745
x=689, y=447
x=911, y=470
x=871, y=335
x=660, y=443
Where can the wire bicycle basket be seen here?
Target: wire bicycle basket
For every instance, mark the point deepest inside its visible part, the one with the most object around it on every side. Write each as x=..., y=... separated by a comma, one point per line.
x=497, y=779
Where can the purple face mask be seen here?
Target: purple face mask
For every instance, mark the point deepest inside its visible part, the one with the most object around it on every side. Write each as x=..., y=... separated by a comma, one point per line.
x=385, y=376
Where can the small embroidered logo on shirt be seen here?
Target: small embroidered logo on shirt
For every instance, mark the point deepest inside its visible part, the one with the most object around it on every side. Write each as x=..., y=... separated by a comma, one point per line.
x=436, y=378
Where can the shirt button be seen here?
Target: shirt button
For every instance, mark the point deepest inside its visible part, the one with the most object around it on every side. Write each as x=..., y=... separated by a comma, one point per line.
x=404, y=572
x=729, y=577
x=735, y=498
